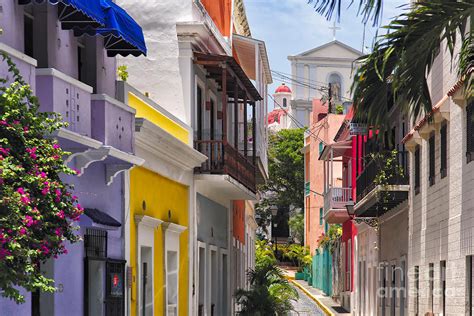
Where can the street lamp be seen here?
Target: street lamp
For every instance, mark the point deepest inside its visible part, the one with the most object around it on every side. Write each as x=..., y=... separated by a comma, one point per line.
x=350, y=209
x=274, y=210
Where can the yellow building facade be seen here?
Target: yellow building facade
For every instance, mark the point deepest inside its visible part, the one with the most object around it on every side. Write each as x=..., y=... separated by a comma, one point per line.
x=160, y=212
x=158, y=197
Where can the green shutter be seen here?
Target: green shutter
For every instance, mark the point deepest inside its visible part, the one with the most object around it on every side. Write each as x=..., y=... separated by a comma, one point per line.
x=321, y=216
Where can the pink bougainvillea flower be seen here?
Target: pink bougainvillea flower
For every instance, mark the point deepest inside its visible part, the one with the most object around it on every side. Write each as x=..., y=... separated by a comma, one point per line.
x=28, y=221
x=4, y=253
x=60, y=214
x=3, y=122
x=4, y=151
x=58, y=231
x=16, y=122
x=32, y=152
x=42, y=174
x=44, y=249
x=25, y=129
x=21, y=191
x=22, y=231
x=56, y=157
x=25, y=199
x=56, y=146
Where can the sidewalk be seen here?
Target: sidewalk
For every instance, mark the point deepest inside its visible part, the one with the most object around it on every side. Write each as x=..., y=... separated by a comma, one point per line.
x=327, y=304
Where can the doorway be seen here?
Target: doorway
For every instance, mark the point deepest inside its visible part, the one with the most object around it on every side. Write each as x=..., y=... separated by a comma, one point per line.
x=146, y=282
x=202, y=281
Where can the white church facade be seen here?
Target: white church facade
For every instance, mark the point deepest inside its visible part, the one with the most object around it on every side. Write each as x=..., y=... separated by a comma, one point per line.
x=312, y=73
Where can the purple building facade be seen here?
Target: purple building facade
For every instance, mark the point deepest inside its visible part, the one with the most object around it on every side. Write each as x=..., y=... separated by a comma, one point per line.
x=74, y=76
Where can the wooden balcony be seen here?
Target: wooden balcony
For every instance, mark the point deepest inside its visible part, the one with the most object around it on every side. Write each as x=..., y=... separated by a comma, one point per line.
x=370, y=203
x=225, y=159
x=335, y=201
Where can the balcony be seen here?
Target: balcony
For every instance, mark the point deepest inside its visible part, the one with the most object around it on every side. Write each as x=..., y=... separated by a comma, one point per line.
x=370, y=201
x=25, y=64
x=57, y=92
x=335, y=201
x=224, y=159
x=112, y=122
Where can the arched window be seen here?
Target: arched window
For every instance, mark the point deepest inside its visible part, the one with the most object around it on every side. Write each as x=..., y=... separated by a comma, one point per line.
x=284, y=102
x=336, y=84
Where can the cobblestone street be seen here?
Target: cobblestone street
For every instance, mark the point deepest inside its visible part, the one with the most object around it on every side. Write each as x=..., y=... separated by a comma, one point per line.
x=305, y=306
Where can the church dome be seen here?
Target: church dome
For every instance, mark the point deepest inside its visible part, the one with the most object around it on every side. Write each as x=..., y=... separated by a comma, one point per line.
x=283, y=89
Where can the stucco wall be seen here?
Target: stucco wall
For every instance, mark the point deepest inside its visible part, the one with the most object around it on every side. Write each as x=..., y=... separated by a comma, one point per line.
x=326, y=133
x=163, y=197
x=158, y=20
x=441, y=215
x=212, y=219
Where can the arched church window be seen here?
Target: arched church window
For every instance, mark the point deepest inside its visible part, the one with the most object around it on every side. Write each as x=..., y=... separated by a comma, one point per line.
x=284, y=102
x=336, y=84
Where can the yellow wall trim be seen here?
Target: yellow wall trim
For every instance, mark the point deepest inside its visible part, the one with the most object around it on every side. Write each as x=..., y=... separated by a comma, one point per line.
x=144, y=110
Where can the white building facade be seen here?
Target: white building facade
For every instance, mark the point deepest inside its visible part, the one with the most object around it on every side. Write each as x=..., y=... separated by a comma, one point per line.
x=191, y=70
x=312, y=73
x=442, y=199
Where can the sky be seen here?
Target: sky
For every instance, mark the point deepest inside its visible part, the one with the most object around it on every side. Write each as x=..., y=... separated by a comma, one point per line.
x=290, y=27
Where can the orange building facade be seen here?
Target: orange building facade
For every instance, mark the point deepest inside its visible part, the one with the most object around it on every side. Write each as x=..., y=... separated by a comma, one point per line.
x=323, y=127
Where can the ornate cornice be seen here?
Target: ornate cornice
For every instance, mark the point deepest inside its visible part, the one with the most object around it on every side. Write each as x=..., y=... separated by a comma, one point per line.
x=157, y=141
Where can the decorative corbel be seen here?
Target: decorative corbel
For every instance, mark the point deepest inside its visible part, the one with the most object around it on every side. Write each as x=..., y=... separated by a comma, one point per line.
x=113, y=170
x=459, y=98
x=426, y=130
x=415, y=140
x=85, y=159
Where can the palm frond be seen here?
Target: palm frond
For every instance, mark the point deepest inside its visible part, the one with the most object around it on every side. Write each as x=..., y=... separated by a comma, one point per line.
x=394, y=74
x=466, y=64
x=370, y=10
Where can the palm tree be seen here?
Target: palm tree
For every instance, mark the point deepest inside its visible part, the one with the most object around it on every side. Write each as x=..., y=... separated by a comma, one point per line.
x=269, y=293
x=368, y=9
x=395, y=72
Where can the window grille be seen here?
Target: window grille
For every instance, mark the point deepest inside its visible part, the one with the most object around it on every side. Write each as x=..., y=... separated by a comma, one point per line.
x=95, y=243
x=417, y=170
x=432, y=159
x=444, y=150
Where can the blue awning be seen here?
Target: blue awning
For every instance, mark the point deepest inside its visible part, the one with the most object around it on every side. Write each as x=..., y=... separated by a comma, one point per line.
x=122, y=34
x=82, y=14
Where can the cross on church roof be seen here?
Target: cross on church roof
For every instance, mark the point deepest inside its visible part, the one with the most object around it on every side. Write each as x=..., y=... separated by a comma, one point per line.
x=334, y=28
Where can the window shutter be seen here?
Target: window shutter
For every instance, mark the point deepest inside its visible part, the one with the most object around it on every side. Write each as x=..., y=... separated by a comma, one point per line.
x=444, y=150
x=432, y=159
x=417, y=169
x=321, y=216
x=470, y=131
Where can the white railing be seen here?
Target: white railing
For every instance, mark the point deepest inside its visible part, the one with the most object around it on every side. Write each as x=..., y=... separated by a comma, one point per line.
x=337, y=198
